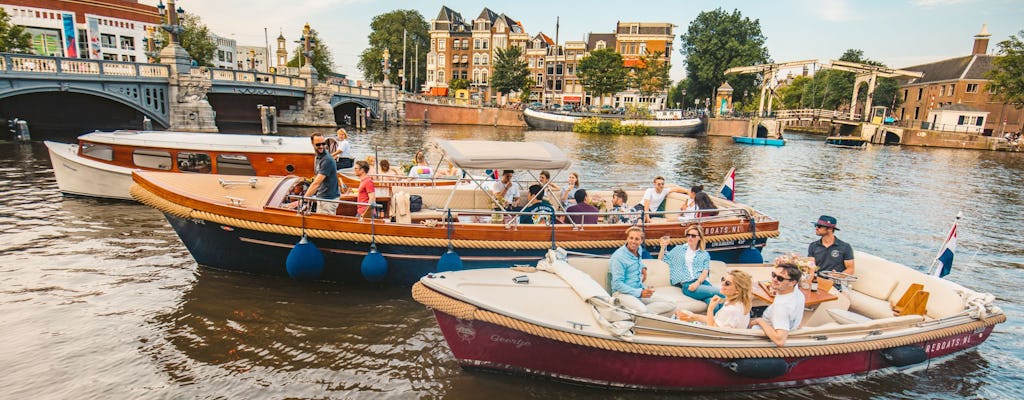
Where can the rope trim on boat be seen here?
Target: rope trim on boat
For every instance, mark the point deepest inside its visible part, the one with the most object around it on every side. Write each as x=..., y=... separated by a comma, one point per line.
x=146, y=197
x=465, y=311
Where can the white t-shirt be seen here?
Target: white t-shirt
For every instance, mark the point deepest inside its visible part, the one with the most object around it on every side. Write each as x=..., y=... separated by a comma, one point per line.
x=512, y=192
x=787, y=311
x=346, y=149
x=655, y=198
x=732, y=316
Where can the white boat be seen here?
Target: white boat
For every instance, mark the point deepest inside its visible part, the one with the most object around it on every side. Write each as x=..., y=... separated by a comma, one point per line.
x=101, y=163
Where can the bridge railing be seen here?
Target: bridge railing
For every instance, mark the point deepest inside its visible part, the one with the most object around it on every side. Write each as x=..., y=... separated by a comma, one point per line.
x=355, y=90
x=222, y=74
x=33, y=64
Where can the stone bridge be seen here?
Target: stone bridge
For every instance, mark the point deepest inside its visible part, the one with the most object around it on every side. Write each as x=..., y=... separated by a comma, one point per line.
x=172, y=101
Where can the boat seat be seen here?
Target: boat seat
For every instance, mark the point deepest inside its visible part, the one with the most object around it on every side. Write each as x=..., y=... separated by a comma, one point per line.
x=882, y=283
x=435, y=199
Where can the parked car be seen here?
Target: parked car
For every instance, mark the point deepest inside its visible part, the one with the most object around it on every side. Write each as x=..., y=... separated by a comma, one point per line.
x=567, y=107
x=536, y=105
x=619, y=110
x=605, y=109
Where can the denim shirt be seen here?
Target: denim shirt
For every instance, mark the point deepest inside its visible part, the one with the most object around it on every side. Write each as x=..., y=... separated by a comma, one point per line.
x=626, y=272
x=679, y=272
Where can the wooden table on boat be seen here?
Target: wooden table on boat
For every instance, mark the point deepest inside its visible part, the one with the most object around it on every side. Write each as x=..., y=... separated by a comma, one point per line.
x=810, y=298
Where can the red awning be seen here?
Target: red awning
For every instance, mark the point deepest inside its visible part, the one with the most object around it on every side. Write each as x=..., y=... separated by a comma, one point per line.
x=571, y=99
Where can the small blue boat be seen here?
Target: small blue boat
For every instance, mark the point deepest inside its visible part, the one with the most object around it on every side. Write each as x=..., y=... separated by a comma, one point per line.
x=758, y=141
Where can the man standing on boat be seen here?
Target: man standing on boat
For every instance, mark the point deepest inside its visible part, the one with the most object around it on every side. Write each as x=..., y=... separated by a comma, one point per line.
x=628, y=274
x=787, y=309
x=830, y=253
x=367, y=192
x=325, y=182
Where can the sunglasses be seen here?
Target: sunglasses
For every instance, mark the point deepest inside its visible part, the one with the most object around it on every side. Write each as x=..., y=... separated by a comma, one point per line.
x=780, y=278
x=692, y=235
x=820, y=226
x=321, y=144
x=726, y=283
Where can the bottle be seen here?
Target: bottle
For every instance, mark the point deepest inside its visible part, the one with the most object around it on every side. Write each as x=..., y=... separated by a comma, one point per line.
x=814, y=284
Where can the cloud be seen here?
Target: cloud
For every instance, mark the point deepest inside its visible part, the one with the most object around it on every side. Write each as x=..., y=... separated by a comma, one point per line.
x=835, y=11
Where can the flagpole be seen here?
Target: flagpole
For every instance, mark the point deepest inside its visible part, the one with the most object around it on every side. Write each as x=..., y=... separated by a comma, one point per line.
x=931, y=268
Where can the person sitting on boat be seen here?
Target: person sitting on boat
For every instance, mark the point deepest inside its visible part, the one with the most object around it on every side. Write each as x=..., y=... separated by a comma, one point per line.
x=582, y=212
x=704, y=203
x=387, y=173
x=325, y=182
x=367, y=192
x=372, y=162
x=341, y=149
x=654, y=198
x=689, y=265
x=507, y=190
x=552, y=189
x=620, y=213
x=628, y=274
x=787, y=309
x=689, y=208
x=451, y=172
x=541, y=209
x=569, y=191
x=830, y=253
x=735, y=313
x=420, y=168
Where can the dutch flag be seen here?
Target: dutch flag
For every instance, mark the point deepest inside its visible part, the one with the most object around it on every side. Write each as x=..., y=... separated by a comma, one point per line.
x=945, y=256
x=729, y=185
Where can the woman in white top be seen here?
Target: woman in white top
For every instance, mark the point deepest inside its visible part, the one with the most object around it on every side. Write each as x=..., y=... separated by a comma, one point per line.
x=568, y=197
x=736, y=311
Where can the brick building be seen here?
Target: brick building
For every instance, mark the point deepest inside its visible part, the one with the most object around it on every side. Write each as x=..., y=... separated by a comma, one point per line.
x=959, y=80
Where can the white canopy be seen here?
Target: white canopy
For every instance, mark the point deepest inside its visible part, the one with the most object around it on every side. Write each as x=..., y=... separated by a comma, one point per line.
x=487, y=154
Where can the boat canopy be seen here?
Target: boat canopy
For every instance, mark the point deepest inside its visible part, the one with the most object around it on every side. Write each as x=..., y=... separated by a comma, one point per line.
x=487, y=154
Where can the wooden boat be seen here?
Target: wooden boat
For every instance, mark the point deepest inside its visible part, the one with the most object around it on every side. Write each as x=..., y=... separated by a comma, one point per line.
x=100, y=164
x=245, y=228
x=758, y=141
x=688, y=127
x=382, y=181
x=502, y=319
x=852, y=142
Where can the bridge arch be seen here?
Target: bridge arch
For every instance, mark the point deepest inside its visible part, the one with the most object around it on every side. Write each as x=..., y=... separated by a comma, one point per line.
x=892, y=137
x=347, y=107
x=157, y=118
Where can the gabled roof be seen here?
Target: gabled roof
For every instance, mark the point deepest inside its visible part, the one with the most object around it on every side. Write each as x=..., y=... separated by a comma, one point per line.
x=449, y=15
x=545, y=39
x=966, y=67
x=487, y=14
x=593, y=38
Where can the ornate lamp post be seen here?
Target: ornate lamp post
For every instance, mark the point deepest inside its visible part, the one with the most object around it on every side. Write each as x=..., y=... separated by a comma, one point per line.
x=173, y=54
x=307, y=70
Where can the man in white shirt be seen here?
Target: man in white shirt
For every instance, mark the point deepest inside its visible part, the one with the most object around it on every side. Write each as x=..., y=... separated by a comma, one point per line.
x=507, y=190
x=654, y=198
x=787, y=310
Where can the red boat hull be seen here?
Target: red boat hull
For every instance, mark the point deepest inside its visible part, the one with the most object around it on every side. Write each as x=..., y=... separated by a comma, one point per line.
x=478, y=344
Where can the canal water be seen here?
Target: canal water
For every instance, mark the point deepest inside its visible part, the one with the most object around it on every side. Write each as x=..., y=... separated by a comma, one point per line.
x=99, y=299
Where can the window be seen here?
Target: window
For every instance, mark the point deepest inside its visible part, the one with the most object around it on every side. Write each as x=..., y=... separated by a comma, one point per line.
x=229, y=56
x=220, y=55
x=153, y=159
x=108, y=41
x=942, y=90
x=110, y=57
x=601, y=45
x=634, y=29
x=441, y=44
x=233, y=164
x=992, y=89
x=917, y=112
x=980, y=121
x=920, y=92
x=194, y=162
x=905, y=92
x=960, y=120
x=972, y=88
x=128, y=58
x=476, y=44
x=484, y=43
x=440, y=60
x=952, y=89
x=98, y=151
x=127, y=43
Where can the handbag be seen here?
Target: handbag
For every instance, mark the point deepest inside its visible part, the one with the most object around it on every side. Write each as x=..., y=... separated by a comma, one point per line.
x=415, y=203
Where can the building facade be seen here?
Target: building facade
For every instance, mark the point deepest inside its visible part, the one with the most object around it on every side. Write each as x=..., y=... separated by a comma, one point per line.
x=95, y=29
x=224, y=55
x=959, y=80
x=252, y=58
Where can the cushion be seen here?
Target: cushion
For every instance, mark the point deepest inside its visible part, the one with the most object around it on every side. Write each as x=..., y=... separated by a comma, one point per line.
x=868, y=305
x=846, y=317
x=597, y=268
x=874, y=282
x=657, y=273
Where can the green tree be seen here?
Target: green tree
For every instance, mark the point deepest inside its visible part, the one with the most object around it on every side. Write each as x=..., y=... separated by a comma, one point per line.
x=601, y=73
x=510, y=71
x=832, y=89
x=650, y=76
x=321, y=58
x=386, y=33
x=676, y=95
x=1008, y=74
x=716, y=41
x=795, y=95
x=195, y=39
x=13, y=38
x=457, y=84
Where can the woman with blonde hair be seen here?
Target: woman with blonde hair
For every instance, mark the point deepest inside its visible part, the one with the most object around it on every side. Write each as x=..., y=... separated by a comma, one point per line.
x=735, y=313
x=689, y=265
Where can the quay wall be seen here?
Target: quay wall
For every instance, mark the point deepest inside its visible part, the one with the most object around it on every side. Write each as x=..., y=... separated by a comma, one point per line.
x=728, y=126
x=454, y=114
x=929, y=138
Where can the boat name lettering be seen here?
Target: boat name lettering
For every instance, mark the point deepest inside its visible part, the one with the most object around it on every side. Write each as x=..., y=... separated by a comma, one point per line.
x=948, y=343
x=721, y=230
x=518, y=343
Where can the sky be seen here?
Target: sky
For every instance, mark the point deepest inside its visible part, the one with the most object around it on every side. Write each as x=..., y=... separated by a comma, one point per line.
x=899, y=33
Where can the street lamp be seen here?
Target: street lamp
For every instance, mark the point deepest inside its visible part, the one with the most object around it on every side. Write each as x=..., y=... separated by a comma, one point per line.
x=172, y=25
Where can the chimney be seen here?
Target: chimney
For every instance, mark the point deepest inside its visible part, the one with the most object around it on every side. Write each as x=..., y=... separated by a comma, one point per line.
x=981, y=41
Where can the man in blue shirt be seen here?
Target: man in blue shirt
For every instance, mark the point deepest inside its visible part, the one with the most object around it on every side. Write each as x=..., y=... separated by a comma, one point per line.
x=325, y=183
x=540, y=208
x=627, y=276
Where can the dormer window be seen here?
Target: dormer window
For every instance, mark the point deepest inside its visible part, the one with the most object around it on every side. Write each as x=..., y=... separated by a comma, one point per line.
x=601, y=45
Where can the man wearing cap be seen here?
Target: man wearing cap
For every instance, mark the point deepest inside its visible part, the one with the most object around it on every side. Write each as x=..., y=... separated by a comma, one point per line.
x=830, y=253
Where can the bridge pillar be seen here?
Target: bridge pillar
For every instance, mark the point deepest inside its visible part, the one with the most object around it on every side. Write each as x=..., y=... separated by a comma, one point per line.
x=315, y=109
x=189, y=109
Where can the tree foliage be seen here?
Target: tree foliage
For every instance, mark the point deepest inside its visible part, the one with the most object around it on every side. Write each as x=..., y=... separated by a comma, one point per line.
x=195, y=39
x=457, y=84
x=833, y=89
x=601, y=73
x=650, y=76
x=1008, y=74
x=510, y=73
x=716, y=41
x=676, y=99
x=386, y=33
x=321, y=58
x=13, y=38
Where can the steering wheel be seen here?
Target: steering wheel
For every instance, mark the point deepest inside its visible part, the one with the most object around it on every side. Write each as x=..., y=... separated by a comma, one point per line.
x=842, y=278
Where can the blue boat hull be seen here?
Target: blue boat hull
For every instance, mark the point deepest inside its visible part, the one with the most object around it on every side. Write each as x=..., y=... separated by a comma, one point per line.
x=758, y=141
x=239, y=249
